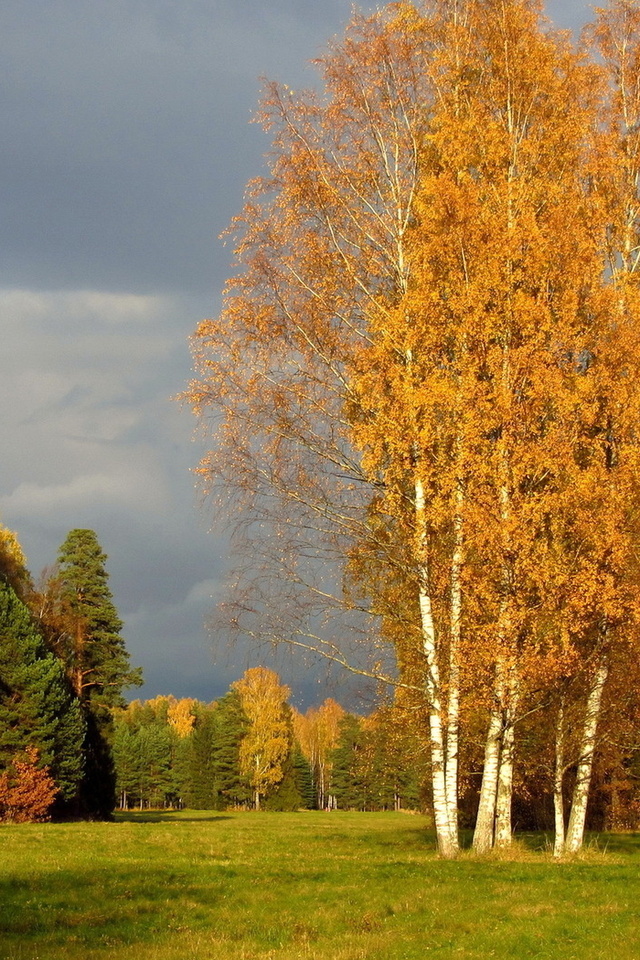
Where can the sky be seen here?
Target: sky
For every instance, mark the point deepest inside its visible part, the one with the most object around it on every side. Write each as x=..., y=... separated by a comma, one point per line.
x=126, y=147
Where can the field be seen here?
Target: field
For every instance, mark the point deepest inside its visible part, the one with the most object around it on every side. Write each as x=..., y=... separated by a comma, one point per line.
x=339, y=886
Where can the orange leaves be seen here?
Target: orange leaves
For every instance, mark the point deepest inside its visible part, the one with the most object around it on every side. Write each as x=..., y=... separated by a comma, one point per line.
x=27, y=791
x=424, y=380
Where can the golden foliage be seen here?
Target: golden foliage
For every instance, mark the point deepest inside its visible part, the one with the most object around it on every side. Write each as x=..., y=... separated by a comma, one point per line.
x=180, y=716
x=13, y=564
x=265, y=746
x=27, y=791
x=427, y=370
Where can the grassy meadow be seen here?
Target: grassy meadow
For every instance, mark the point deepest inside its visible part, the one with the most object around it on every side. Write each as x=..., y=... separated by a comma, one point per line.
x=339, y=886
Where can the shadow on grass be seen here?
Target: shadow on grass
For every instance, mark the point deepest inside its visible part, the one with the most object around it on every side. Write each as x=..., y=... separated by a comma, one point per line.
x=105, y=907
x=168, y=816
x=542, y=842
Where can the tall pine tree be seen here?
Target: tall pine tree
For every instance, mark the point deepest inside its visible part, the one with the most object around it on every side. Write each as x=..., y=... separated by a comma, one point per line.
x=89, y=639
x=84, y=628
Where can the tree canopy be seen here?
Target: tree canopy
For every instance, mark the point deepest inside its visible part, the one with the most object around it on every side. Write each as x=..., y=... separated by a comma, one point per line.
x=424, y=381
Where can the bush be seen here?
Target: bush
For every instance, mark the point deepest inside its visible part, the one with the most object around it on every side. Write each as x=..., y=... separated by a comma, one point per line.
x=27, y=791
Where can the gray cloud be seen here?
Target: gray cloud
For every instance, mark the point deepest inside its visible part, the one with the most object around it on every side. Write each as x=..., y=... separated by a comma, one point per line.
x=126, y=147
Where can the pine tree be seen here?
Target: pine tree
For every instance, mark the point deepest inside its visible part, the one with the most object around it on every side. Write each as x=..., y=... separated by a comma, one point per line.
x=84, y=631
x=89, y=639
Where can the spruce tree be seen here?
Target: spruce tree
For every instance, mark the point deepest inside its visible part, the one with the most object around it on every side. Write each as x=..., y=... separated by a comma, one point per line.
x=201, y=793
x=37, y=707
x=347, y=784
x=231, y=726
x=295, y=790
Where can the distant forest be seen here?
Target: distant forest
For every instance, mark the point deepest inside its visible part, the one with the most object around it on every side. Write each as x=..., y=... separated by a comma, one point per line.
x=70, y=746
x=252, y=750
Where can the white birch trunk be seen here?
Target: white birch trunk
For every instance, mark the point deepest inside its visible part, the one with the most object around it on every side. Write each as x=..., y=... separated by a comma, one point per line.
x=447, y=844
x=503, y=828
x=453, y=712
x=483, y=834
x=575, y=830
x=558, y=779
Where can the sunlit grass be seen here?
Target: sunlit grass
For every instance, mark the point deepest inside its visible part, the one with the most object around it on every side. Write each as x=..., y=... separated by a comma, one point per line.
x=335, y=886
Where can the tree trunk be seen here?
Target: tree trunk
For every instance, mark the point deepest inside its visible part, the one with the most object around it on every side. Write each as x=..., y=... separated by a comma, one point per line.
x=558, y=779
x=483, y=834
x=453, y=713
x=575, y=830
x=503, y=828
x=447, y=843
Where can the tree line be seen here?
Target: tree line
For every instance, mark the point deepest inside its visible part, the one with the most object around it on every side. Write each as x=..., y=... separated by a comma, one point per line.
x=63, y=669
x=252, y=750
x=423, y=392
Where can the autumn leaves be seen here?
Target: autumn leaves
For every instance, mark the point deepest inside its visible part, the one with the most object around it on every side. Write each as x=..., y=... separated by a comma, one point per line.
x=427, y=376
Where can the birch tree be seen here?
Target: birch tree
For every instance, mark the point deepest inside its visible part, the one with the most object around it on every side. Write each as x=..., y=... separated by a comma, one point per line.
x=423, y=377
x=319, y=241
x=267, y=742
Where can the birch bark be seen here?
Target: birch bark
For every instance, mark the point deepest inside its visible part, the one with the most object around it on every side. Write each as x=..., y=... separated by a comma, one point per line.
x=558, y=779
x=447, y=843
x=453, y=712
x=575, y=830
x=483, y=834
x=503, y=827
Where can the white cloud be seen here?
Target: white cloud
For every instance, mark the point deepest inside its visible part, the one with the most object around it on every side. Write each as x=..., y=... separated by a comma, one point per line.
x=130, y=487
x=24, y=306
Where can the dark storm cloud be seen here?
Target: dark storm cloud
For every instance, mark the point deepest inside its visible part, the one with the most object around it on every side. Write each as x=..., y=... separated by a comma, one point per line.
x=126, y=139
x=125, y=150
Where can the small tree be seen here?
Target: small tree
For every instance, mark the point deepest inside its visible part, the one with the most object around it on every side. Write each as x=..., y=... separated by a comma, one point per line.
x=267, y=742
x=27, y=790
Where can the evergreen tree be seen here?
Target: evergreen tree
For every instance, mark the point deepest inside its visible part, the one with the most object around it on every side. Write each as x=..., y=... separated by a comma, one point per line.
x=125, y=757
x=201, y=793
x=347, y=785
x=84, y=631
x=214, y=779
x=90, y=642
x=303, y=775
x=144, y=747
x=295, y=791
x=232, y=789
x=37, y=707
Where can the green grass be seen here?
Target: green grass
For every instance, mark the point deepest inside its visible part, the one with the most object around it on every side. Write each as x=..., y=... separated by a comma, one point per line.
x=336, y=886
